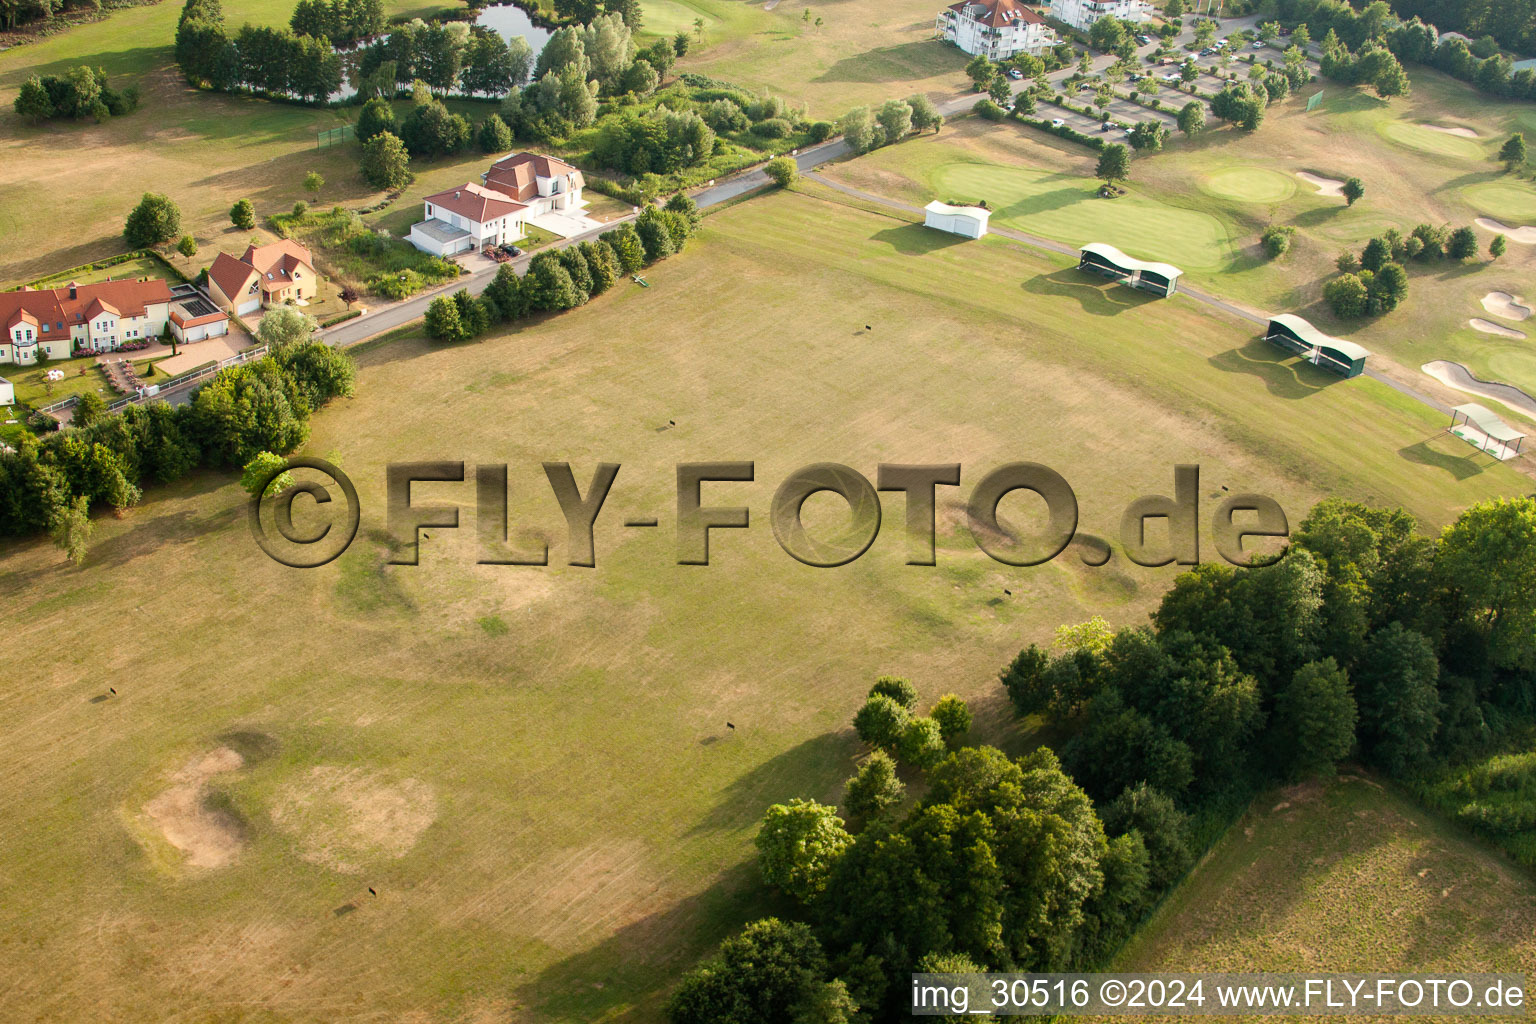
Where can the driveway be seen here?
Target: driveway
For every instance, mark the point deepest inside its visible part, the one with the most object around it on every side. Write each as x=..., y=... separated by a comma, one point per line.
x=566, y=225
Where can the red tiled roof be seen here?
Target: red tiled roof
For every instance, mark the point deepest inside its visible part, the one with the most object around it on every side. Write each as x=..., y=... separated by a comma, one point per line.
x=277, y=262
x=997, y=13
x=179, y=317
x=476, y=203
x=231, y=275
x=54, y=307
x=515, y=175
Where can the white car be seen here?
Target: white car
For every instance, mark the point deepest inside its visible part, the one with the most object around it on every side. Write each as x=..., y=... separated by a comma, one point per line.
x=1173, y=78
x=1015, y=74
x=1057, y=122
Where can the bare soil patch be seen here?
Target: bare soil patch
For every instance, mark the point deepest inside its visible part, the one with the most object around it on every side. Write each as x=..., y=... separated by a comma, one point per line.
x=342, y=818
x=209, y=836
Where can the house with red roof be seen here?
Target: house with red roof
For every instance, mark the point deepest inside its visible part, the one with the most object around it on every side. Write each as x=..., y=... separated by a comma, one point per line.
x=267, y=275
x=80, y=318
x=996, y=29
x=517, y=189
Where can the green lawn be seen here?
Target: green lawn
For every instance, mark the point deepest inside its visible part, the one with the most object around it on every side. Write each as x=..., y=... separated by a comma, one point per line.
x=80, y=375
x=1248, y=184
x=1510, y=201
x=530, y=766
x=1427, y=140
x=1343, y=876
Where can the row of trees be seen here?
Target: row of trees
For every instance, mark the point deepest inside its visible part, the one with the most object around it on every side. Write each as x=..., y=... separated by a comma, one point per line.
x=269, y=61
x=566, y=277
x=341, y=22
x=455, y=57
x=1414, y=41
x=865, y=130
x=81, y=93
x=106, y=459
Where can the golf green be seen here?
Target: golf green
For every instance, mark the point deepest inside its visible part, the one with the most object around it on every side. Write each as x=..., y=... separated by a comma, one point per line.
x=1249, y=185
x=1064, y=207
x=1509, y=201
x=1427, y=140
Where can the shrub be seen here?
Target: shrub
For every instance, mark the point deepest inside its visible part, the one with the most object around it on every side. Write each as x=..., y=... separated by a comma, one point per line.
x=821, y=131
x=782, y=171
x=1276, y=240
x=773, y=128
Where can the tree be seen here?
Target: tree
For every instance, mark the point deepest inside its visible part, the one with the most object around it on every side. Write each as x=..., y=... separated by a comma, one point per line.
x=89, y=408
x=1023, y=104
x=71, y=528
x=1162, y=826
x=1276, y=240
x=282, y=326
x=385, y=163
x=243, y=215
x=765, y=973
x=1497, y=246
x=1347, y=262
x=627, y=247
x=1114, y=164
x=1353, y=189
x=1315, y=718
x=1389, y=287
x=798, y=846
x=494, y=136
x=1512, y=153
x=680, y=44
x=981, y=71
x=187, y=246
x=266, y=472
x=898, y=689
x=313, y=183
x=548, y=285
x=443, y=321
x=377, y=117
x=1347, y=296
x=155, y=220
x=1149, y=135
x=1397, y=697
x=953, y=716
x=924, y=114
x=921, y=744
x=782, y=171
x=857, y=129
x=874, y=787
x=896, y=118
x=34, y=104
x=881, y=722
x=998, y=91
x=1462, y=245
x=1487, y=562
x=1192, y=118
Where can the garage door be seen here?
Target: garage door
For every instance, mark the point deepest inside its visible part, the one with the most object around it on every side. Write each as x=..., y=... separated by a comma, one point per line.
x=249, y=307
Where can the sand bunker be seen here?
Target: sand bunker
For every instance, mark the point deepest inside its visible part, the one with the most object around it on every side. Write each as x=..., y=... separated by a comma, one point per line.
x=1459, y=377
x=1477, y=323
x=344, y=818
x=1324, y=186
x=1510, y=307
x=1465, y=133
x=211, y=838
x=1523, y=235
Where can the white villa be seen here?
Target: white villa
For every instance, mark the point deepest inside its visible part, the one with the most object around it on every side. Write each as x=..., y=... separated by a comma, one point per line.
x=1080, y=14
x=997, y=29
x=60, y=322
x=517, y=189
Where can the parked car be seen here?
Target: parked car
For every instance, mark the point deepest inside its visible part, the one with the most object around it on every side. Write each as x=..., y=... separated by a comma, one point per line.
x=1133, y=77
x=1015, y=74
x=1175, y=77
x=1057, y=122
x=1144, y=39
x=1258, y=44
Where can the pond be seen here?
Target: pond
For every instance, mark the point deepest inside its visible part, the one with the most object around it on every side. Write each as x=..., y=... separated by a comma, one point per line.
x=510, y=21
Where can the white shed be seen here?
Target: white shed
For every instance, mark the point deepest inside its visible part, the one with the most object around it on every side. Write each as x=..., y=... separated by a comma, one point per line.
x=7, y=392
x=969, y=221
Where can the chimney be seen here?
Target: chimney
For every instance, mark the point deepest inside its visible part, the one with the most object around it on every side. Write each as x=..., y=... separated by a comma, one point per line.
x=71, y=289
x=456, y=193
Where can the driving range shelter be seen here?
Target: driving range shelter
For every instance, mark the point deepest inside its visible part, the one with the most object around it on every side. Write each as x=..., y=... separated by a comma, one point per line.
x=1161, y=279
x=1484, y=430
x=1294, y=334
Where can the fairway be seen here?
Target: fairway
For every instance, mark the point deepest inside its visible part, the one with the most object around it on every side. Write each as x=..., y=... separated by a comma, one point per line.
x=1250, y=185
x=1512, y=202
x=669, y=17
x=1427, y=140
x=531, y=766
x=1343, y=876
x=1065, y=207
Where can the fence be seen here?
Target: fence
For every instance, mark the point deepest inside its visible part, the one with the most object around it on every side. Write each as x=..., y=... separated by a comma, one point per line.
x=175, y=383
x=334, y=136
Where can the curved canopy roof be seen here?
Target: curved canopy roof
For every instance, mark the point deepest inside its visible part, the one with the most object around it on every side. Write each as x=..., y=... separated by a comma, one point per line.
x=1306, y=332
x=1488, y=422
x=1124, y=262
x=958, y=211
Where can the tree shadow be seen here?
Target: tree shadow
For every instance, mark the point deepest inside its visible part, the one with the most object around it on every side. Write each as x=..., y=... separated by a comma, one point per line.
x=1282, y=376
x=1318, y=216
x=1096, y=296
x=625, y=977
x=917, y=240
x=890, y=63
x=1462, y=467
x=801, y=771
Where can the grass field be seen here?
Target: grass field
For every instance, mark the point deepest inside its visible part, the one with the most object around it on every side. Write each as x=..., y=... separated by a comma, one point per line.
x=1343, y=876
x=531, y=766
x=203, y=150
x=1243, y=183
x=864, y=52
